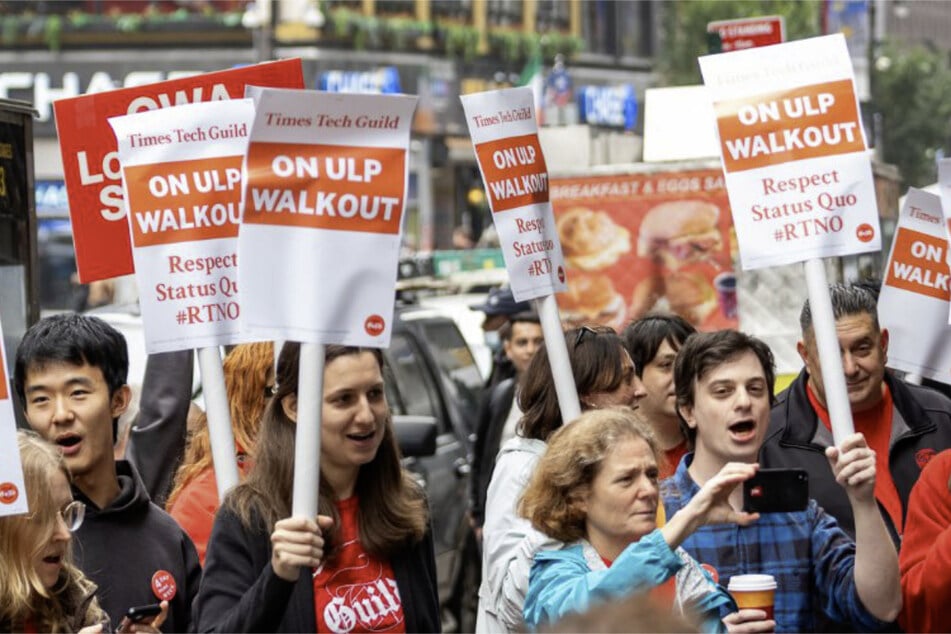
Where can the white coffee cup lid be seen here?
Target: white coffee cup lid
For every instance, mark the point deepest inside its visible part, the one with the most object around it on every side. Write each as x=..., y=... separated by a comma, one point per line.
x=752, y=582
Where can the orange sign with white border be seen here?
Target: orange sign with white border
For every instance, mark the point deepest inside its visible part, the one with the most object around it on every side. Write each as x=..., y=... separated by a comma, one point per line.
x=793, y=150
x=182, y=174
x=504, y=131
x=12, y=498
x=320, y=235
x=914, y=302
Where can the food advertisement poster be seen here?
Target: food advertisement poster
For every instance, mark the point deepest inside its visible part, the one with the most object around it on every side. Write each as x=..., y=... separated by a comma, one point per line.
x=638, y=242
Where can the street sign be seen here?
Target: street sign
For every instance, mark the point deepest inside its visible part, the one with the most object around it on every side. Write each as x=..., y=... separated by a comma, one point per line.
x=743, y=33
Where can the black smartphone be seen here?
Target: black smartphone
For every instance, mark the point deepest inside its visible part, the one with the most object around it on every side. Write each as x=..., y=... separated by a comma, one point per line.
x=143, y=612
x=776, y=491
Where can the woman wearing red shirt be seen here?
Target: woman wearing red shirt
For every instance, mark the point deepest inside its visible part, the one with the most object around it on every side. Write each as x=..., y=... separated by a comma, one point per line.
x=366, y=562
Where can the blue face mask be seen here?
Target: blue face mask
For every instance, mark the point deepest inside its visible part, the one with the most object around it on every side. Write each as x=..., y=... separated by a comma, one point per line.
x=493, y=340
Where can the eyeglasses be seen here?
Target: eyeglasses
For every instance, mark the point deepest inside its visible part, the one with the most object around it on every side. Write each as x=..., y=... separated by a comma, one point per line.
x=594, y=332
x=73, y=515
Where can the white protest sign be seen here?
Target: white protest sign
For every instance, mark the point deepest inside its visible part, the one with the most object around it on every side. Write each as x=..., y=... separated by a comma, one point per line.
x=914, y=301
x=944, y=190
x=12, y=489
x=504, y=132
x=320, y=237
x=793, y=151
x=181, y=170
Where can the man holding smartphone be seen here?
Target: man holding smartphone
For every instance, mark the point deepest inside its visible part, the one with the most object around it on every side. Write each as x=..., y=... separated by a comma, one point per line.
x=825, y=580
x=905, y=425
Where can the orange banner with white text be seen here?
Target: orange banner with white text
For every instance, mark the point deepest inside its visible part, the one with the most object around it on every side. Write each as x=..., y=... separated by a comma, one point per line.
x=790, y=125
x=918, y=264
x=181, y=201
x=346, y=188
x=514, y=171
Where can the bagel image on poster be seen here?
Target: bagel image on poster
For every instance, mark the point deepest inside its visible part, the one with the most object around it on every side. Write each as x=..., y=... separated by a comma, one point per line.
x=638, y=242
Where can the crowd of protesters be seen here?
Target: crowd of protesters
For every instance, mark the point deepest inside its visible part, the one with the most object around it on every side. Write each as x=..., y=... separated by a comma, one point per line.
x=639, y=498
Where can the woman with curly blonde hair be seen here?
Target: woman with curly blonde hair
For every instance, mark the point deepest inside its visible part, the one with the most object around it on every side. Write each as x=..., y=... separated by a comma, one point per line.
x=595, y=490
x=41, y=590
x=249, y=377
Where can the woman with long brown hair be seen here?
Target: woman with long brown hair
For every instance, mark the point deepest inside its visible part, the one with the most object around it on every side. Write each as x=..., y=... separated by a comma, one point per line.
x=366, y=562
x=249, y=377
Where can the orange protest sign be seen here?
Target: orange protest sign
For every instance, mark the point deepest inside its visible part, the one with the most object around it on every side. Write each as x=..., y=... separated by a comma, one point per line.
x=183, y=201
x=918, y=264
x=347, y=188
x=791, y=125
x=91, y=161
x=514, y=171
x=4, y=393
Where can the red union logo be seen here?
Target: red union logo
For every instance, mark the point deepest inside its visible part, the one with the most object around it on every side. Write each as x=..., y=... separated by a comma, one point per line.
x=865, y=232
x=561, y=274
x=374, y=325
x=9, y=493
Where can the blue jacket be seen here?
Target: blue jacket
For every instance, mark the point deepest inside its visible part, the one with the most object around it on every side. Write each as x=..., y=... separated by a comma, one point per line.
x=571, y=579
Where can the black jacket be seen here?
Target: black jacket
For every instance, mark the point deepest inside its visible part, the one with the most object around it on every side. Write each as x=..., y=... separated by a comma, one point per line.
x=241, y=592
x=495, y=411
x=921, y=427
x=121, y=547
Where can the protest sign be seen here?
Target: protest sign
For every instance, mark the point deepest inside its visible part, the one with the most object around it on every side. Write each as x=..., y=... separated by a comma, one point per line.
x=638, y=241
x=914, y=301
x=91, y=163
x=944, y=191
x=793, y=150
x=320, y=237
x=12, y=491
x=504, y=131
x=183, y=185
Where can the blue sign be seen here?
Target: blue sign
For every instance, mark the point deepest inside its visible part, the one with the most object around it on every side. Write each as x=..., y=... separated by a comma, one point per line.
x=611, y=106
x=383, y=81
x=51, y=199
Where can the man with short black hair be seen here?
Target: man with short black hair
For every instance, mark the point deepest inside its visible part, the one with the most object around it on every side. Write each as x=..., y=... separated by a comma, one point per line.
x=499, y=306
x=904, y=424
x=653, y=342
x=825, y=580
x=70, y=375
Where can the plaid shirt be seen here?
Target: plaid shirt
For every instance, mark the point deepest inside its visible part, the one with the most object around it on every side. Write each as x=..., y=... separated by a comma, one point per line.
x=811, y=558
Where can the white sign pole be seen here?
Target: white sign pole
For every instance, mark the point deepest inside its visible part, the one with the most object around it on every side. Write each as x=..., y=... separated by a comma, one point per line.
x=547, y=308
x=830, y=357
x=219, y=419
x=310, y=394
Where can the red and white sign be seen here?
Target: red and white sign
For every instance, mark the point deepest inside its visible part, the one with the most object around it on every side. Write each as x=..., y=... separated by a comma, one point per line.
x=91, y=163
x=736, y=35
x=320, y=236
x=12, y=491
x=182, y=170
x=793, y=150
x=914, y=302
x=504, y=131
x=944, y=190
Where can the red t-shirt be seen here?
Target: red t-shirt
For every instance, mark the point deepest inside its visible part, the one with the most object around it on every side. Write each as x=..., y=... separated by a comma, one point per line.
x=672, y=458
x=876, y=425
x=357, y=592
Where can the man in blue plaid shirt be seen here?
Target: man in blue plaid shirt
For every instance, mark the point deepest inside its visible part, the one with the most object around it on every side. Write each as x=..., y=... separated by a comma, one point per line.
x=825, y=580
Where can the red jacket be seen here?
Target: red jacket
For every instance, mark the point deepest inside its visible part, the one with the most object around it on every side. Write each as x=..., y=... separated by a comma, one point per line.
x=194, y=508
x=925, y=557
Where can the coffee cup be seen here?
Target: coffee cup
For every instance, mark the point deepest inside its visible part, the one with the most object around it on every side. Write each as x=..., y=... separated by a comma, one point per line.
x=754, y=591
x=725, y=283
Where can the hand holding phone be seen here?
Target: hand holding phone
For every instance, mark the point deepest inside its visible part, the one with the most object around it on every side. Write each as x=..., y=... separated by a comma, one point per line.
x=776, y=491
x=152, y=616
